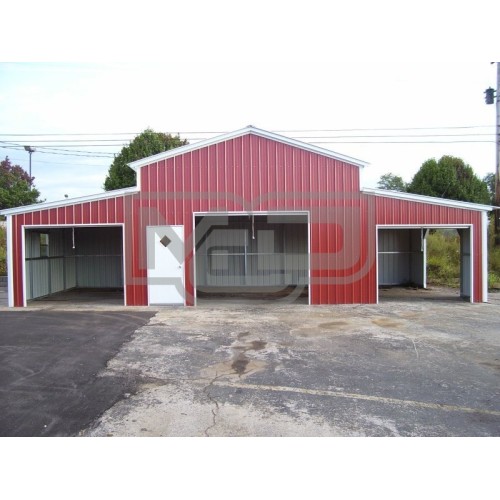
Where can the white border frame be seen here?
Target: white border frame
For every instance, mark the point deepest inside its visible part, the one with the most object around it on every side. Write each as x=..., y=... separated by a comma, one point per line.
x=307, y=213
x=52, y=226
x=433, y=226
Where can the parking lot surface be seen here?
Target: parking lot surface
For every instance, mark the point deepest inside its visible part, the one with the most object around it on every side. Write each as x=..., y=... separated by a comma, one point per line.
x=409, y=366
x=49, y=365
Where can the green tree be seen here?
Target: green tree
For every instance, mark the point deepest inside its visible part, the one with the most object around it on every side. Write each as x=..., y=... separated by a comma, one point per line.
x=16, y=186
x=392, y=182
x=490, y=181
x=148, y=143
x=451, y=178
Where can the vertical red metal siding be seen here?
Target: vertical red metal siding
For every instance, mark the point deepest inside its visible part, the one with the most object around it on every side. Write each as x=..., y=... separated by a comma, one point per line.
x=96, y=212
x=252, y=173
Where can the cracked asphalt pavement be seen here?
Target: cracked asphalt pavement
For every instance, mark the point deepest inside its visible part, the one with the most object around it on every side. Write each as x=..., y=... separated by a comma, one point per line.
x=409, y=367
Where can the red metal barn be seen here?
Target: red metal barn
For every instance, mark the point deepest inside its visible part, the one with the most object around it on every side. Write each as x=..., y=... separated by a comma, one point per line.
x=247, y=211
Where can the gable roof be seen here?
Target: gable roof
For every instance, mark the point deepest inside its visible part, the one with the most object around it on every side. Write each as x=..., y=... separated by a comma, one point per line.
x=70, y=201
x=250, y=130
x=431, y=200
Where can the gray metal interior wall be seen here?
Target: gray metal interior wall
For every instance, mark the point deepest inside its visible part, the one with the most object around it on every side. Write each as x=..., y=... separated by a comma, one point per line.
x=400, y=257
x=44, y=274
x=465, y=262
x=93, y=258
x=242, y=251
x=99, y=257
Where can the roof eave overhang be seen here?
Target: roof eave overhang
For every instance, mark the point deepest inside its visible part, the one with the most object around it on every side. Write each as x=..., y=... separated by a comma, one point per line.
x=427, y=199
x=239, y=133
x=70, y=201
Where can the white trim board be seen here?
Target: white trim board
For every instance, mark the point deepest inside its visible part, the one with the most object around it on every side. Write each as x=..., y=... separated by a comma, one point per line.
x=384, y=193
x=70, y=201
x=250, y=130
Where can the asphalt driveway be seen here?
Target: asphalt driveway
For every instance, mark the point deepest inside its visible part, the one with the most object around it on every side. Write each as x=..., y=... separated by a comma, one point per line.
x=49, y=365
x=406, y=367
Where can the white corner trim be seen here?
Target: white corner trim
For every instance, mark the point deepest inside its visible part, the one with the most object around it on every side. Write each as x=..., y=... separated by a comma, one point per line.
x=23, y=264
x=484, y=254
x=472, y=275
x=239, y=133
x=10, y=262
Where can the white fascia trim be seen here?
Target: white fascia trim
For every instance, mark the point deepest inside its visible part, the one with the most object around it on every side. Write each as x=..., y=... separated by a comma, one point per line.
x=70, y=201
x=484, y=254
x=239, y=133
x=427, y=199
x=255, y=212
x=57, y=226
x=423, y=226
x=10, y=262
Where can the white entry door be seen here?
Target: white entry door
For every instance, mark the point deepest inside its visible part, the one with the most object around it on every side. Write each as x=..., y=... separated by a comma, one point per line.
x=165, y=246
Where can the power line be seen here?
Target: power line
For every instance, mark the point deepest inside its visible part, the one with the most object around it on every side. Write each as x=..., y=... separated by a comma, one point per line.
x=384, y=129
x=191, y=132
x=60, y=146
x=56, y=152
x=390, y=135
x=36, y=143
x=120, y=141
x=401, y=142
x=79, y=164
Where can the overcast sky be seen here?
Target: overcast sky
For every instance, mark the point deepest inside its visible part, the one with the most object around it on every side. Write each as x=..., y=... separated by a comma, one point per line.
x=433, y=109
x=215, y=68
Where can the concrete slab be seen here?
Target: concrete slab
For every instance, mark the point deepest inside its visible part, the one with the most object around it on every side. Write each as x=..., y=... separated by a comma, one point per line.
x=401, y=368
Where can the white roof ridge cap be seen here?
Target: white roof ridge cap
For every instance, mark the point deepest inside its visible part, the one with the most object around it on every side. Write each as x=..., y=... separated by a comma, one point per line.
x=250, y=129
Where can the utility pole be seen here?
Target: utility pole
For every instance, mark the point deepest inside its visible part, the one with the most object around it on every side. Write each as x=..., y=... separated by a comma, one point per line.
x=491, y=96
x=30, y=150
x=497, y=171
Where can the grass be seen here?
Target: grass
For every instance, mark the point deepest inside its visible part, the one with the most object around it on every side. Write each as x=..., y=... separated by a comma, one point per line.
x=493, y=262
x=443, y=259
